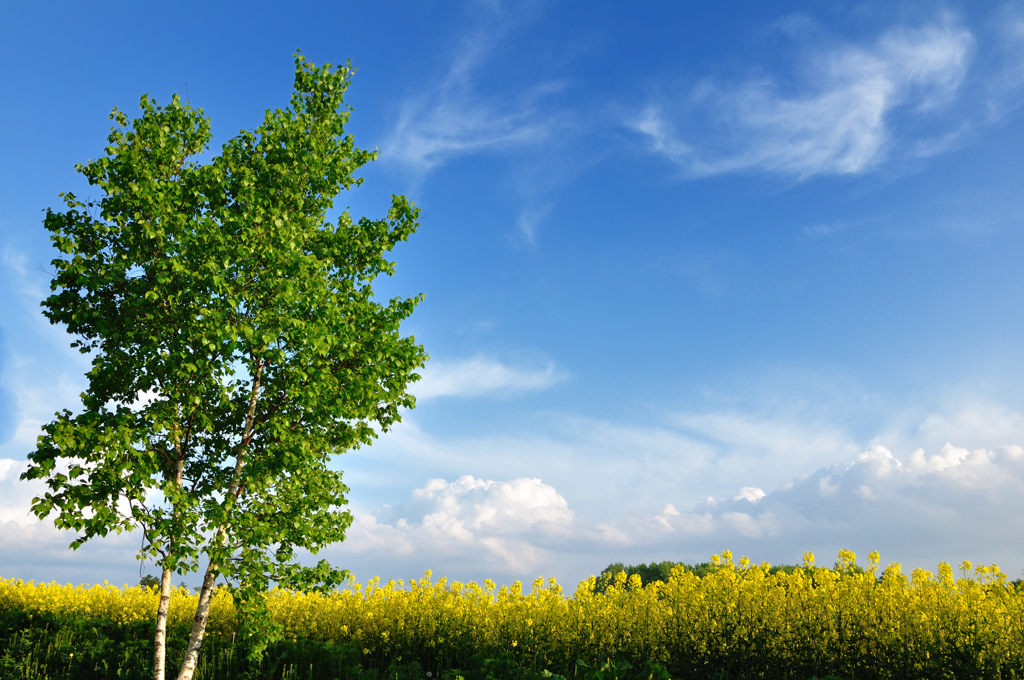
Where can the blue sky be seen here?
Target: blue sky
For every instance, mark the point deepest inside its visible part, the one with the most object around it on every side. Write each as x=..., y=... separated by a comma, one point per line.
x=734, y=276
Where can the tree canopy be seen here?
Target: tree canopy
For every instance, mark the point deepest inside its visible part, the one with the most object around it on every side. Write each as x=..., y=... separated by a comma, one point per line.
x=236, y=345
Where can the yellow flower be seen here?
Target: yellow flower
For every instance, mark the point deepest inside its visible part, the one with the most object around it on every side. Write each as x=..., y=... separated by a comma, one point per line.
x=684, y=616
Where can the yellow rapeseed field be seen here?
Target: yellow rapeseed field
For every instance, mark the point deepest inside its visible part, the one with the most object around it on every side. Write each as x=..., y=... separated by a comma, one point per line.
x=811, y=618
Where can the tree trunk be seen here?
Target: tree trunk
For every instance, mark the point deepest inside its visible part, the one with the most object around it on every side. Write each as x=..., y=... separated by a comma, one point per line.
x=195, y=640
x=160, y=641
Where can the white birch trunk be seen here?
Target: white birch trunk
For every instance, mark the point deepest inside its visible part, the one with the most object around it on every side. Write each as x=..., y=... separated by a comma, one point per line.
x=195, y=640
x=160, y=641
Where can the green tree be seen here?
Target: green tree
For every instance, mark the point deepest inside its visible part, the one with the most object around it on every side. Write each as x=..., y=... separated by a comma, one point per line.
x=149, y=581
x=662, y=571
x=237, y=346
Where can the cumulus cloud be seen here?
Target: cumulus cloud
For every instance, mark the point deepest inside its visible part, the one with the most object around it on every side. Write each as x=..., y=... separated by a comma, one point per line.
x=750, y=493
x=837, y=122
x=605, y=465
x=950, y=505
x=6, y=465
x=598, y=492
x=511, y=527
x=478, y=375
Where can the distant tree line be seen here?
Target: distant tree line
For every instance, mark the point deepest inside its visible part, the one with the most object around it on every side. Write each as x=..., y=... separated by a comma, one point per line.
x=660, y=571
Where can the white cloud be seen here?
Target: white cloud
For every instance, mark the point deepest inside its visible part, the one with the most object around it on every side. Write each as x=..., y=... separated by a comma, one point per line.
x=933, y=508
x=31, y=549
x=750, y=493
x=881, y=460
x=6, y=466
x=39, y=552
x=749, y=527
x=959, y=418
x=528, y=221
x=452, y=118
x=623, y=492
x=17, y=495
x=33, y=388
x=950, y=505
x=826, y=487
x=771, y=446
x=949, y=458
x=510, y=526
x=479, y=375
x=603, y=463
x=1004, y=86
x=777, y=433
x=838, y=122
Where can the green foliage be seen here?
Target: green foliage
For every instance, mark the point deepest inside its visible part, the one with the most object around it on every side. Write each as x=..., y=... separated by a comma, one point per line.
x=236, y=342
x=655, y=571
x=63, y=648
x=661, y=571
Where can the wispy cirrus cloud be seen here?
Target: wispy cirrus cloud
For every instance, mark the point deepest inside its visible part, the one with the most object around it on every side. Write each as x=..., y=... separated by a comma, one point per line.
x=479, y=375
x=31, y=389
x=1004, y=85
x=838, y=121
x=453, y=117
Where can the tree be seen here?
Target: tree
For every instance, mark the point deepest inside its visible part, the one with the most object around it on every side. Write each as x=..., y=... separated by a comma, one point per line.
x=237, y=346
x=149, y=581
x=662, y=571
